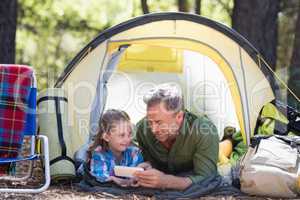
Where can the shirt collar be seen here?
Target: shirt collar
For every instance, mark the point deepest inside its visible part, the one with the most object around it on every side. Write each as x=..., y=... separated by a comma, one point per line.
x=185, y=124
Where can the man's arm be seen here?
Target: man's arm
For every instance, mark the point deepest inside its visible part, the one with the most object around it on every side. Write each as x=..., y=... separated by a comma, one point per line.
x=175, y=182
x=207, y=150
x=153, y=178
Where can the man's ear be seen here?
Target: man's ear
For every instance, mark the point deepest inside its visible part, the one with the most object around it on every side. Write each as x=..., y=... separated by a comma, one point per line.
x=105, y=137
x=179, y=117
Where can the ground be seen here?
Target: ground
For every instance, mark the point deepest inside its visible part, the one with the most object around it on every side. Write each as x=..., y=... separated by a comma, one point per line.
x=68, y=190
x=69, y=193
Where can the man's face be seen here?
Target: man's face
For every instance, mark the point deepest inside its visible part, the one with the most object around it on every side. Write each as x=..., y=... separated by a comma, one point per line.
x=163, y=123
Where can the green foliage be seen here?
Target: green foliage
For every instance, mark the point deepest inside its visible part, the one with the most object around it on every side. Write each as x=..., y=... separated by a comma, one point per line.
x=51, y=32
x=162, y=5
x=218, y=10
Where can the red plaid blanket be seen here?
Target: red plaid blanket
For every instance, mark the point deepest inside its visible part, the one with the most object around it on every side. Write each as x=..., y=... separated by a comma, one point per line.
x=15, y=84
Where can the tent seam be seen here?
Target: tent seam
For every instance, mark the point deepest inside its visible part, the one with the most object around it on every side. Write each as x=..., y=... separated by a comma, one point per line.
x=247, y=125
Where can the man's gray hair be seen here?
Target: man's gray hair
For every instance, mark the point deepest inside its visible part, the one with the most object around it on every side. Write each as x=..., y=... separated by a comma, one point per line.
x=169, y=94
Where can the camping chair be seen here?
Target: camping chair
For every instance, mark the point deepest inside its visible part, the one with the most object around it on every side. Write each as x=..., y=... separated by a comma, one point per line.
x=18, y=120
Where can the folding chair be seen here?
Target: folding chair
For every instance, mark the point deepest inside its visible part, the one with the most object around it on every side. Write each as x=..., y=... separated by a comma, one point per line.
x=18, y=120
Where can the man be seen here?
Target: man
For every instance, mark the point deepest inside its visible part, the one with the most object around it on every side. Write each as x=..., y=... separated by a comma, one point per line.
x=175, y=141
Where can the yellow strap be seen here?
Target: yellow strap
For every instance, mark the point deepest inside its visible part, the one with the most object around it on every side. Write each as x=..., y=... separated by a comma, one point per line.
x=38, y=146
x=281, y=81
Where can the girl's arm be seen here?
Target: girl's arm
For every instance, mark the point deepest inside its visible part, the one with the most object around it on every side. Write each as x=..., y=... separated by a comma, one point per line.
x=136, y=157
x=99, y=167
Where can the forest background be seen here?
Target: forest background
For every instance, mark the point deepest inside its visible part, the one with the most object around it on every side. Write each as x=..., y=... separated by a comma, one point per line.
x=47, y=34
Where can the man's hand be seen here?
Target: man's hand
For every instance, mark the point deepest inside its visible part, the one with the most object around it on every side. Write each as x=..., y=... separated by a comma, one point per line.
x=151, y=178
x=145, y=165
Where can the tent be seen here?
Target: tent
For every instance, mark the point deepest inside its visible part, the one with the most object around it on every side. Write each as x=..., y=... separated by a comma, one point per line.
x=221, y=73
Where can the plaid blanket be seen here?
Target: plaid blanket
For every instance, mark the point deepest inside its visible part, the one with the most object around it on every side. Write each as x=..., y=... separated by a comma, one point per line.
x=15, y=84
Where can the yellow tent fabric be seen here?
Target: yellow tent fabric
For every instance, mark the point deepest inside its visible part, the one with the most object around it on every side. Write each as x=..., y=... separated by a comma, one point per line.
x=175, y=32
x=141, y=49
x=142, y=58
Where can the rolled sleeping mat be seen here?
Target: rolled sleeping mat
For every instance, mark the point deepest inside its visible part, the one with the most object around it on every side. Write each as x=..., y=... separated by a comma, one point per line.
x=53, y=122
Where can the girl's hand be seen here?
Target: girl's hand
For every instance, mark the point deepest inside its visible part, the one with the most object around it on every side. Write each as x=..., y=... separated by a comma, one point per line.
x=123, y=182
x=145, y=165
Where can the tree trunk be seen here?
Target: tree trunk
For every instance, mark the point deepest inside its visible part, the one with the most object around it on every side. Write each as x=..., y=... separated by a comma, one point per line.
x=294, y=70
x=182, y=6
x=257, y=21
x=145, y=6
x=198, y=7
x=8, y=25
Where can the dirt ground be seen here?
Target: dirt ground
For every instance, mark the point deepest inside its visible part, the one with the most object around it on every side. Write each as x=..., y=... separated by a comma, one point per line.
x=68, y=193
x=65, y=193
x=68, y=190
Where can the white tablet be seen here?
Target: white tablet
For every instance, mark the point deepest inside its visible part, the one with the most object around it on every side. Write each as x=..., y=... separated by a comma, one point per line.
x=124, y=171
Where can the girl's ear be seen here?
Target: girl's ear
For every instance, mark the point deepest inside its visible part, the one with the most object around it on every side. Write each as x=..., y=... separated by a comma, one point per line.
x=105, y=137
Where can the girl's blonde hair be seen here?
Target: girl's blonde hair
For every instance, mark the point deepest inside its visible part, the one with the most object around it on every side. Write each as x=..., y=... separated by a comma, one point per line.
x=106, y=123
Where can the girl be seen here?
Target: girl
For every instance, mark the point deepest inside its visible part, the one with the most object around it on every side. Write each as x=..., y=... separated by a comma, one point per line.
x=113, y=146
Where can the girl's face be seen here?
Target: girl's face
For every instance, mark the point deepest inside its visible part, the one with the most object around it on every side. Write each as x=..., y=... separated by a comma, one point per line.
x=119, y=137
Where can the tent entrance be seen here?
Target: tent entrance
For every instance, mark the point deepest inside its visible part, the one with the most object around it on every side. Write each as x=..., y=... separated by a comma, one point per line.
x=205, y=85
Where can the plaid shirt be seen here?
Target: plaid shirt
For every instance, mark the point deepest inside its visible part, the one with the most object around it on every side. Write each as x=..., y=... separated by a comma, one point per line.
x=103, y=162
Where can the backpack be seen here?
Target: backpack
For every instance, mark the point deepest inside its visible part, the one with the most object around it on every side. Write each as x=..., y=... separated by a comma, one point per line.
x=270, y=166
x=279, y=119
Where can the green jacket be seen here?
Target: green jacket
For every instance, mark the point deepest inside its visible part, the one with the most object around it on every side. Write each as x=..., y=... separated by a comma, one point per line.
x=196, y=148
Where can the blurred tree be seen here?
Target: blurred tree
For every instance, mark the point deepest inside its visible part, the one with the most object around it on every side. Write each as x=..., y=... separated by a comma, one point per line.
x=198, y=7
x=8, y=23
x=287, y=20
x=51, y=32
x=183, y=6
x=145, y=6
x=294, y=71
x=257, y=20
